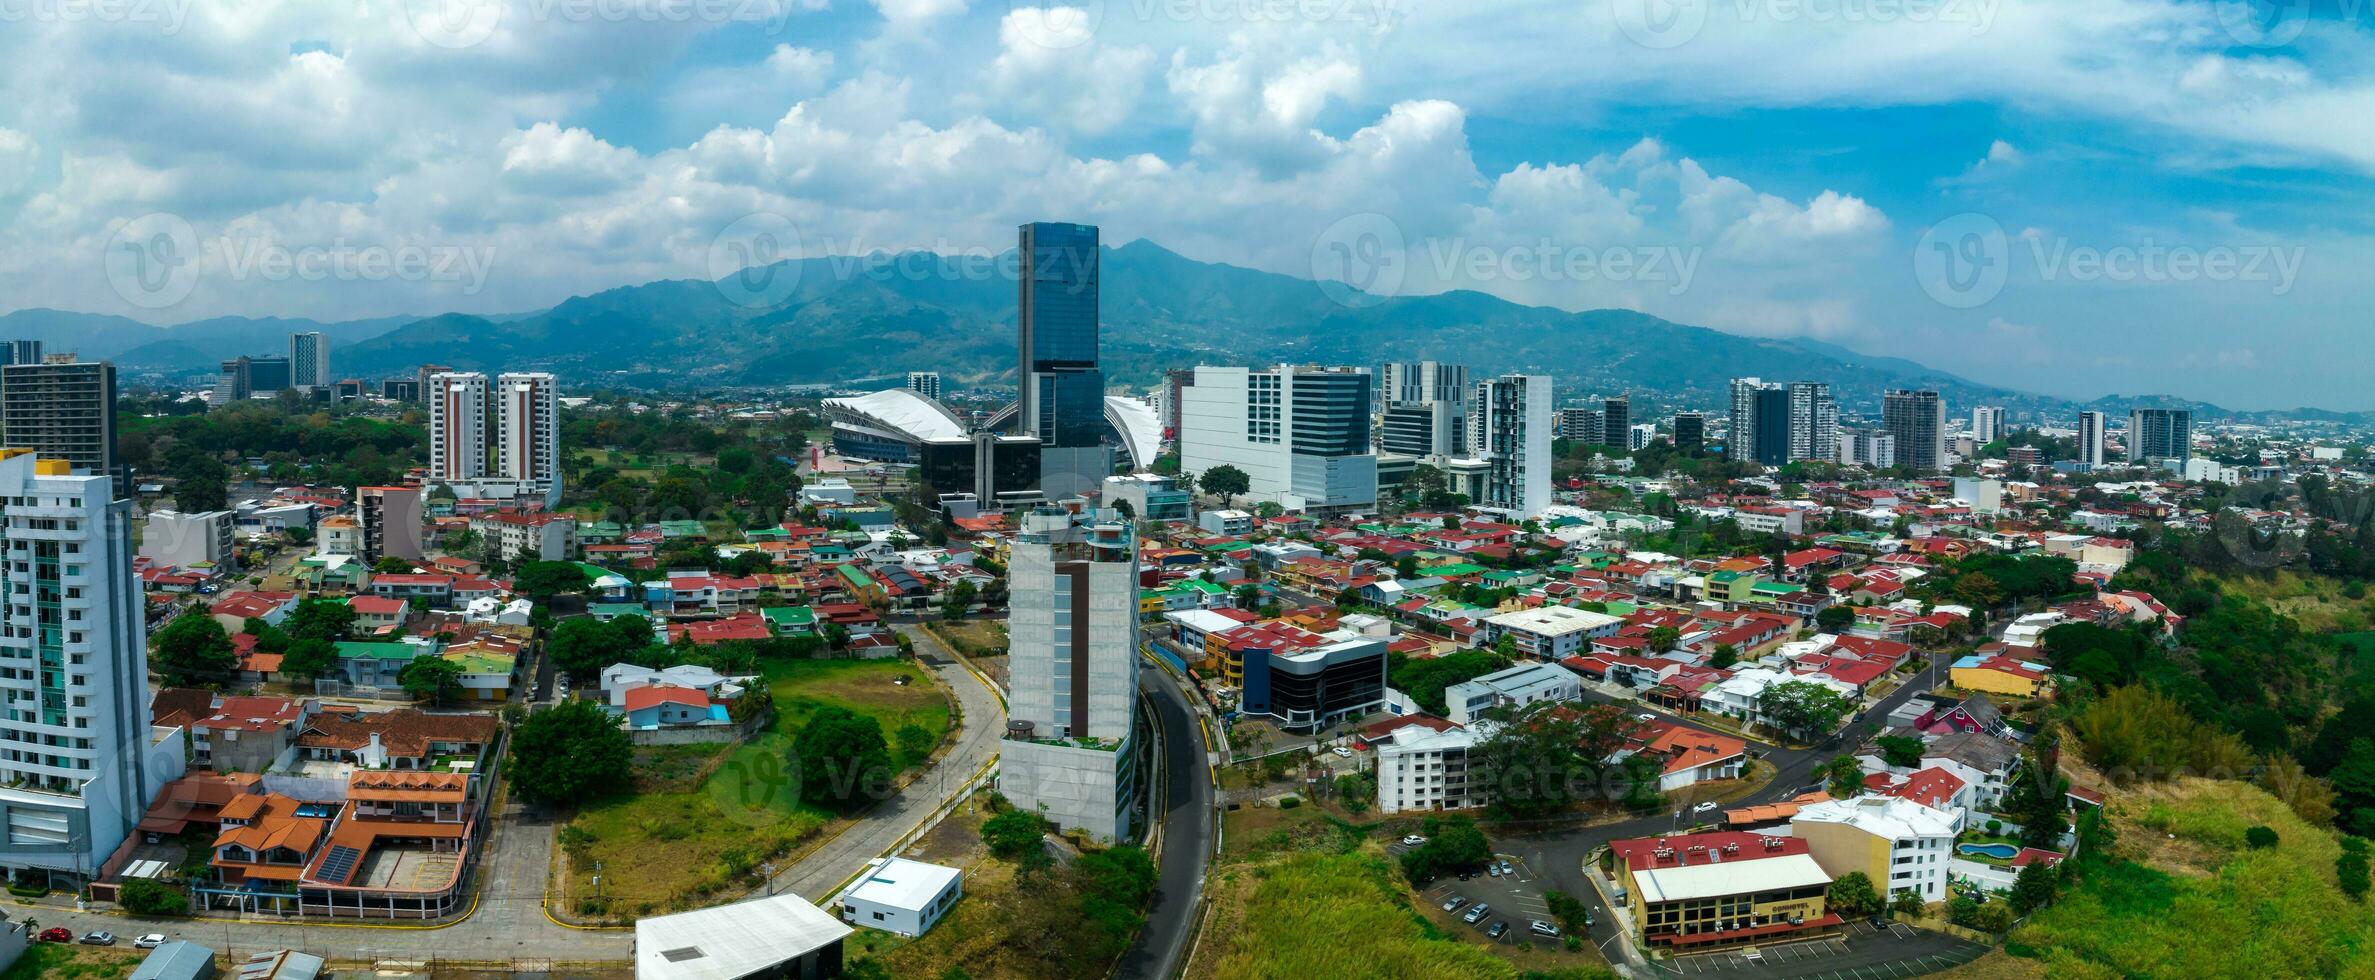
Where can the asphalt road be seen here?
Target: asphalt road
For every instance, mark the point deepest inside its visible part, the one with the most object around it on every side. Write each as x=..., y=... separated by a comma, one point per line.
x=1186, y=802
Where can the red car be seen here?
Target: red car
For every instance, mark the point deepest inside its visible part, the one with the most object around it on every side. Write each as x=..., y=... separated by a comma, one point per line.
x=56, y=935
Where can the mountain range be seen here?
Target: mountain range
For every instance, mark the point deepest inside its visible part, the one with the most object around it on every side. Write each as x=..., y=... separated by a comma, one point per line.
x=835, y=319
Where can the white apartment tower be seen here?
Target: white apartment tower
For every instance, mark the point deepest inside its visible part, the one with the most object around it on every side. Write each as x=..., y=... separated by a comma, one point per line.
x=309, y=360
x=1300, y=433
x=2090, y=441
x=78, y=761
x=1987, y=423
x=925, y=383
x=1509, y=426
x=1813, y=421
x=528, y=433
x=457, y=426
x=1071, y=749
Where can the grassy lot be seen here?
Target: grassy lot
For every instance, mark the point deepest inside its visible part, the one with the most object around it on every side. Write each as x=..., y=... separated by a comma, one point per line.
x=702, y=820
x=61, y=961
x=2316, y=601
x=973, y=637
x=2187, y=898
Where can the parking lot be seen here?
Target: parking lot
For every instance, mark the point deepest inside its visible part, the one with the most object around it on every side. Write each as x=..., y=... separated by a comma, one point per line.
x=1864, y=952
x=1515, y=898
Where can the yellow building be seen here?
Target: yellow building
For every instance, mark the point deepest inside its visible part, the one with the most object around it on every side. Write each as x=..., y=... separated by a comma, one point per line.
x=1999, y=674
x=1700, y=892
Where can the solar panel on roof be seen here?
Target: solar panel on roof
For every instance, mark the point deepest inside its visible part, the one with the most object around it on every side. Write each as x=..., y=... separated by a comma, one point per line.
x=340, y=863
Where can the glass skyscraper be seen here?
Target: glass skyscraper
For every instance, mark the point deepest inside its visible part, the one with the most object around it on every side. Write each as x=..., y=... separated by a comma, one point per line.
x=1061, y=391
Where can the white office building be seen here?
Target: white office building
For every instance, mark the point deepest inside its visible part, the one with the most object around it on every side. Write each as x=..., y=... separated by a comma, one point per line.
x=925, y=383
x=171, y=539
x=1510, y=425
x=1072, y=713
x=1813, y=421
x=1987, y=423
x=1899, y=844
x=1300, y=434
x=901, y=896
x=1551, y=632
x=78, y=761
x=1511, y=687
x=309, y=360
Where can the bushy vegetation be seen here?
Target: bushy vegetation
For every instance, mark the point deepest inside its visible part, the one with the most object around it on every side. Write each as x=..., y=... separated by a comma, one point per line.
x=1304, y=898
x=1424, y=678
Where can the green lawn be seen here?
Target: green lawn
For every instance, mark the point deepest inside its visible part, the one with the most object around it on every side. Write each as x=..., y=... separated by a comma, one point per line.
x=60, y=961
x=701, y=821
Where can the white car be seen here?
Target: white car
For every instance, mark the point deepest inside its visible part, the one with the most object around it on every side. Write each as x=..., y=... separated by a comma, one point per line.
x=1342, y=752
x=150, y=941
x=1645, y=717
x=1703, y=807
x=1412, y=840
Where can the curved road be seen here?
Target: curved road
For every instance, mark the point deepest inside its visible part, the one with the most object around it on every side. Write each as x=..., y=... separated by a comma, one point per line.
x=1185, y=802
x=508, y=922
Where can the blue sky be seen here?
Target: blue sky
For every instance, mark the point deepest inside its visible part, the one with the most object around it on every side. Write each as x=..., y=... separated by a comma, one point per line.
x=2118, y=196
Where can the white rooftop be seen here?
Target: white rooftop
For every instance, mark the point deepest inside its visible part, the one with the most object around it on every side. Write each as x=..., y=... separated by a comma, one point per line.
x=1887, y=817
x=1747, y=874
x=899, y=883
x=903, y=411
x=1553, y=620
x=732, y=941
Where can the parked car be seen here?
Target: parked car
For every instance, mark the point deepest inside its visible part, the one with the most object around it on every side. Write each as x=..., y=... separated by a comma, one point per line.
x=1412, y=840
x=1500, y=928
x=150, y=941
x=1342, y=752
x=1467, y=874
x=1493, y=869
x=1453, y=903
x=98, y=938
x=1541, y=928
x=1508, y=869
x=1704, y=807
x=55, y=934
x=1477, y=913
x=1645, y=717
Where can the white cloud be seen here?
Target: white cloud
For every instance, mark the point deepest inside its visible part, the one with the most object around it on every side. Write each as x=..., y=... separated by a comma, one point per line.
x=19, y=155
x=1048, y=68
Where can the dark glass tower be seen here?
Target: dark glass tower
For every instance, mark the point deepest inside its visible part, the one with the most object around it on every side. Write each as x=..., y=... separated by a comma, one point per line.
x=1062, y=393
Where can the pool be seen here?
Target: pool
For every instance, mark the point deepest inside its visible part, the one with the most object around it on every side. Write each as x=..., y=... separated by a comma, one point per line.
x=2002, y=851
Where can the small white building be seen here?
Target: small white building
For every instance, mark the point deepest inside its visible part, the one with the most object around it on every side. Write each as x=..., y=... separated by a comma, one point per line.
x=1551, y=632
x=902, y=896
x=1230, y=522
x=780, y=936
x=1514, y=687
x=1424, y=766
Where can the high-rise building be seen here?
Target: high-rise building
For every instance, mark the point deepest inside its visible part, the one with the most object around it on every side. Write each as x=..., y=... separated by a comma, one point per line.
x=1748, y=402
x=1772, y=425
x=2160, y=435
x=309, y=359
x=21, y=352
x=925, y=383
x=79, y=766
x=528, y=435
x=268, y=374
x=387, y=523
x=1690, y=431
x=1987, y=423
x=1918, y=421
x=1422, y=382
x=230, y=383
x=62, y=408
x=1062, y=397
x=457, y=426
x=1300, y=433
x=1867, y=447
x=2090, y=441
x=1585, y=426
x=1813, y=421
x=1509, y=426
x=1071, y=749
x=1616, y=422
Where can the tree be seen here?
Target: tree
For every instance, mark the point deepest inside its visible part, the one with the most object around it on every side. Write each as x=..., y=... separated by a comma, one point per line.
x=309, y=658
x=842, y=760
x=583, y=646
x=1851, y=894
x=1226, y=482
x=542, y=580
x=1452, y=843
x=960, y=597
x=391, y=565
x=433, y=679
x=2260, y=837
x=571, y=753
x=1835, y=619
x=320, y=619
x=1843, y=777
x=150, y=897
x=1802, y=708
x=2350, y=871
x=1016, y=835
x=1550, y=755
x=2034, y=888
x=1724, y=657
x=1908, y=903
x=193, y=650
x=1664, y=638
x=1353, y=792
x=201, y=482
x=1900, y=751
x=915, y=742
x=1127, y=510
x=1406, y=566
x=2354, y=787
